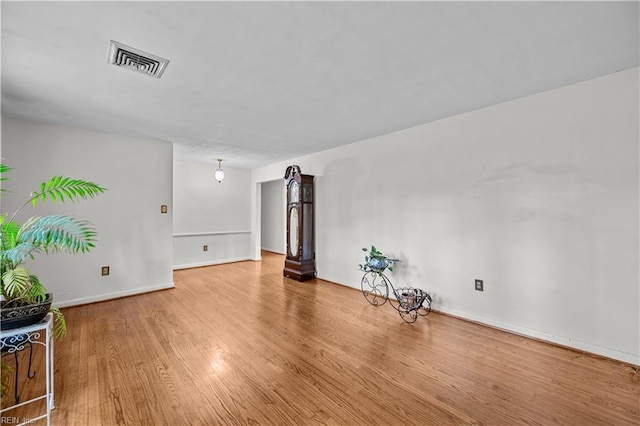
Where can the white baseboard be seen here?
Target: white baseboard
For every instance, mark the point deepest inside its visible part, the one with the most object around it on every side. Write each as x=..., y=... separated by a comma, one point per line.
x=210, y=263
x=272, y=250
x=526, y=332
x=109, y=296
x=563, y=341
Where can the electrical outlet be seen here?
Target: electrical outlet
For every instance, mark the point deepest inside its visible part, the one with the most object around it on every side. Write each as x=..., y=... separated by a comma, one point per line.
x=205, y=247
x=479, y=285
x=105, y=270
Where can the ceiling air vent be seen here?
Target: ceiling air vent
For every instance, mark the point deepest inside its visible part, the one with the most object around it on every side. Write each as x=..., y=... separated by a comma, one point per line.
x=136, y=60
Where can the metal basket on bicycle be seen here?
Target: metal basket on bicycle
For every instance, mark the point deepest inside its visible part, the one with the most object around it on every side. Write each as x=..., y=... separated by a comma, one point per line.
x=410, y=298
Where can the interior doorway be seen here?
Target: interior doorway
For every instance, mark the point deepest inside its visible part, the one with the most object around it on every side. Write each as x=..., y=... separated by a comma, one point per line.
x=273, y=217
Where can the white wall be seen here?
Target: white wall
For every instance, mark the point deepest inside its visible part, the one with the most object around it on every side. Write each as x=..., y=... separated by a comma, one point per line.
x=210, y=213
x=272, y=216
x=134, y=237
x=538, y=196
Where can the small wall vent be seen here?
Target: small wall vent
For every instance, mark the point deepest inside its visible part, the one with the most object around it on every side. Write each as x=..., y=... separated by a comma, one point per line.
x=136, y=60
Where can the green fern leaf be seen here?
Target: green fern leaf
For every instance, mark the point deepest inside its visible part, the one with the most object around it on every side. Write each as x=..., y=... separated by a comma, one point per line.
x=18, y=254
x=9, y=232
x=59, y=323
x=15, y=282
x=3, y=169
x=60, y=188
x=67, y=193
x=61, y=233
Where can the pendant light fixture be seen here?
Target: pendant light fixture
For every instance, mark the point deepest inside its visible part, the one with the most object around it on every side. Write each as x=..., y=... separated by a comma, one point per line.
x=219, y=174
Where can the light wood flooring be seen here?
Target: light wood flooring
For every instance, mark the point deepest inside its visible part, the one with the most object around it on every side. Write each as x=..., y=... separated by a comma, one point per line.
x=238, y=344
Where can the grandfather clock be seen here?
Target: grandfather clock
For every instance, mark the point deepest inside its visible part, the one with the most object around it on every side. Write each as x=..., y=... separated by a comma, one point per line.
x=300, y=263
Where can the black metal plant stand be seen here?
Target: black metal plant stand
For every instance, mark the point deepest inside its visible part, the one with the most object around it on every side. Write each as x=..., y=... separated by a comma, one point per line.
x=408, y=301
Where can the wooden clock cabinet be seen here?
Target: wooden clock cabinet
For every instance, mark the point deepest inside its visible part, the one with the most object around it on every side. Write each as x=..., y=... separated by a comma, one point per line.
x=300, y=263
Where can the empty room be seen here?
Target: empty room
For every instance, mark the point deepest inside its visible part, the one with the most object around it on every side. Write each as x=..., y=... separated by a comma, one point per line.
x=320, y=213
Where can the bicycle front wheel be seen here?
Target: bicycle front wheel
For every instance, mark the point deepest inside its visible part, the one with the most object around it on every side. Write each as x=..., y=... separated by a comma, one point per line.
x=375, y=288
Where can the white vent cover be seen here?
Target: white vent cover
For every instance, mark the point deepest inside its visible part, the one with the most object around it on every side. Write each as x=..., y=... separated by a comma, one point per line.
x=136, y=60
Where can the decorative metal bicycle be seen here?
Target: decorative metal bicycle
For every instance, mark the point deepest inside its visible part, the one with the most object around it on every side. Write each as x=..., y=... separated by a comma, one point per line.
x=408, y=301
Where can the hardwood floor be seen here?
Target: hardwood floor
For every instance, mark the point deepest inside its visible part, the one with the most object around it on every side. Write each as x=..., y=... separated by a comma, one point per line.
x=238, y=344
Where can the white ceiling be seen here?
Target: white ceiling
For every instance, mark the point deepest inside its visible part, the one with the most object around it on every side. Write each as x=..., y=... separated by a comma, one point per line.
x=260, y=82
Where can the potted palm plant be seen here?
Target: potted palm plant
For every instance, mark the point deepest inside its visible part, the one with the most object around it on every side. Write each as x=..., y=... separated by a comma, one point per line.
x=24, y=300
x=22, y=293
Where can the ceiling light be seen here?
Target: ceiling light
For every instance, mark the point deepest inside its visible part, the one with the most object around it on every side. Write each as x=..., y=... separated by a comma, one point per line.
x=219, y=174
